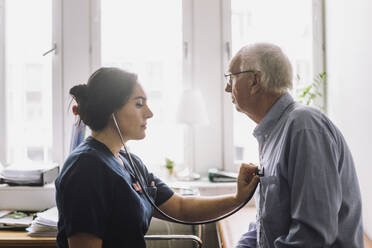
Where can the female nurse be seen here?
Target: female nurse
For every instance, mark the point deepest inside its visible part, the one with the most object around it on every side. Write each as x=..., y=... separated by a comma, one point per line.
x=97, y=193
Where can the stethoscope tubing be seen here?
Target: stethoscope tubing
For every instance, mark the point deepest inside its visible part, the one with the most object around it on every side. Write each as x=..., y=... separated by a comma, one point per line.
x=166, y=216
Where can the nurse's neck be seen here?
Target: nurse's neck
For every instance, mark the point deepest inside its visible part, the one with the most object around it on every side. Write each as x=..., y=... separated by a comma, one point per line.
x=110, y=139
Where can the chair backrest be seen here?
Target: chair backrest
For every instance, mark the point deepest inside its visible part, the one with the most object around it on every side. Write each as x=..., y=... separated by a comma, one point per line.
x=77, y=135
x=196, y=240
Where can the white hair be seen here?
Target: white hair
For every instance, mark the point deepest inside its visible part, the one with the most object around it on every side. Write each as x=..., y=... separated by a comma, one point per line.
x=269, y=59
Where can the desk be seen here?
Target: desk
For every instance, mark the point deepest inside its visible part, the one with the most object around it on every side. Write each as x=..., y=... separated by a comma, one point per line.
x=21, y=239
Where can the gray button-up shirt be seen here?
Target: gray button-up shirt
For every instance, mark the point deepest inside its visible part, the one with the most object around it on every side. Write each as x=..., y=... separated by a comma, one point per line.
x=309, y=195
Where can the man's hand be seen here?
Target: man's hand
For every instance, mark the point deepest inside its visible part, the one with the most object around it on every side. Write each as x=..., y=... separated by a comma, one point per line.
x=247, y=181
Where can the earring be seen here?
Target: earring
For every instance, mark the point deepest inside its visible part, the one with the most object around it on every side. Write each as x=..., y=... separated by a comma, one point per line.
x=74, y=109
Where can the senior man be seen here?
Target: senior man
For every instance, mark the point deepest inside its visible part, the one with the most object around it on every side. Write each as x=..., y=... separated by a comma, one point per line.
x=309, y=195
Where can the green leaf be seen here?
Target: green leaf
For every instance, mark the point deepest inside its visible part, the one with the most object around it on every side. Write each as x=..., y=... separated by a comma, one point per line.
x=169, y=164
x=310, y=93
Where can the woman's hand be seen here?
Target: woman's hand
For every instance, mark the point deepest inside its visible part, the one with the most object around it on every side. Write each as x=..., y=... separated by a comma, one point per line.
x=247, y=181
x=199, y=208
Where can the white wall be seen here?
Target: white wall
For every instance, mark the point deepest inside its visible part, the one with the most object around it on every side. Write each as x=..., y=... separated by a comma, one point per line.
x=349, y=66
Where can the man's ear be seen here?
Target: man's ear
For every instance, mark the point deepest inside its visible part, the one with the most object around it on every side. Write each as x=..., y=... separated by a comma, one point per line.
x=256, y=85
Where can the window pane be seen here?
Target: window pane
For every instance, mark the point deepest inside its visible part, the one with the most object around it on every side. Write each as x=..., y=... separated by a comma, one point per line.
x=287, y=23
x=28, y=31
x=145, y=36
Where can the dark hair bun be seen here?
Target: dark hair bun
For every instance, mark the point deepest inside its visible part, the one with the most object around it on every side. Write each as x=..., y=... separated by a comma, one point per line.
x=79, y=92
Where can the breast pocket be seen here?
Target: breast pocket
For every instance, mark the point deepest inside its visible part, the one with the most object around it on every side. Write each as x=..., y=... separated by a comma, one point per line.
x=269, y=198
x=270, y=210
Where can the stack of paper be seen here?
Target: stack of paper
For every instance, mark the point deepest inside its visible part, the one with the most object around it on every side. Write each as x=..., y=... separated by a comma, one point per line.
x=14, y=219
x=29, y=173
x=45, y=224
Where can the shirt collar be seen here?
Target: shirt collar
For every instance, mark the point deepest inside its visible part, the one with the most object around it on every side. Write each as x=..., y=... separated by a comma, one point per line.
x=273, y=115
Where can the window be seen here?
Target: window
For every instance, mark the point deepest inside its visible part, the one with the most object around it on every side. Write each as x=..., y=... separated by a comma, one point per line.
x=168, y=43
x=287, y=23
x=27, y=105
x=28, y=79
x=152, y=48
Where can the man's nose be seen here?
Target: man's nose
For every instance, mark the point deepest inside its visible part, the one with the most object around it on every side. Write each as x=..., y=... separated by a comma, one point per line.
x=228, y=88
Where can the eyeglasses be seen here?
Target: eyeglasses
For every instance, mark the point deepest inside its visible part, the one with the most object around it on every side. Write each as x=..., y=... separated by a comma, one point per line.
x=228, y=76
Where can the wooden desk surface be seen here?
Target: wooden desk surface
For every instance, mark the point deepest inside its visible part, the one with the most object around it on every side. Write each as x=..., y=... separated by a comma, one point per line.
x=21, y=239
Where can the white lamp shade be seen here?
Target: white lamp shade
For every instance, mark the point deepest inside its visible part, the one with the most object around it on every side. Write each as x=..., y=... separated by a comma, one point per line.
x=191, y=109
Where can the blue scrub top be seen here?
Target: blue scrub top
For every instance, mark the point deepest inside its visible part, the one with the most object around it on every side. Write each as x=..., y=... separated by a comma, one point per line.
x=95, y=194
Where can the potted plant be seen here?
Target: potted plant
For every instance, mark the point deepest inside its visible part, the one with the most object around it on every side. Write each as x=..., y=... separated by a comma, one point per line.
x=309, y=95
x=169, y=165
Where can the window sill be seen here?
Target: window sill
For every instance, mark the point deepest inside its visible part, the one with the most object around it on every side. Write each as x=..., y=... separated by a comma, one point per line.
x=207, y=188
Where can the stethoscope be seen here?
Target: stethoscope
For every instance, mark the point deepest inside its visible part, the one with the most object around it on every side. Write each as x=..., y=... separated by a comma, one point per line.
x=137, y=175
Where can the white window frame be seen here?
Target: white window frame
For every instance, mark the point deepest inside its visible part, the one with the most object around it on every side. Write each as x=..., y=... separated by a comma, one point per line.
x=3, y=136
x=318, y=65
x=207, y=75
x=57, y=84
x=207, y=33
x=77, y=62
x=57, y=115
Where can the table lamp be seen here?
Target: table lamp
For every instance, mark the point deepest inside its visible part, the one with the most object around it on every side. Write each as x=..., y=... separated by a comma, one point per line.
x=192, y=113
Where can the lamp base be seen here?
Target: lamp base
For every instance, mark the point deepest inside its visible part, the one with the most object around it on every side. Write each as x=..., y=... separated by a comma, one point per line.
x=187, y=175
